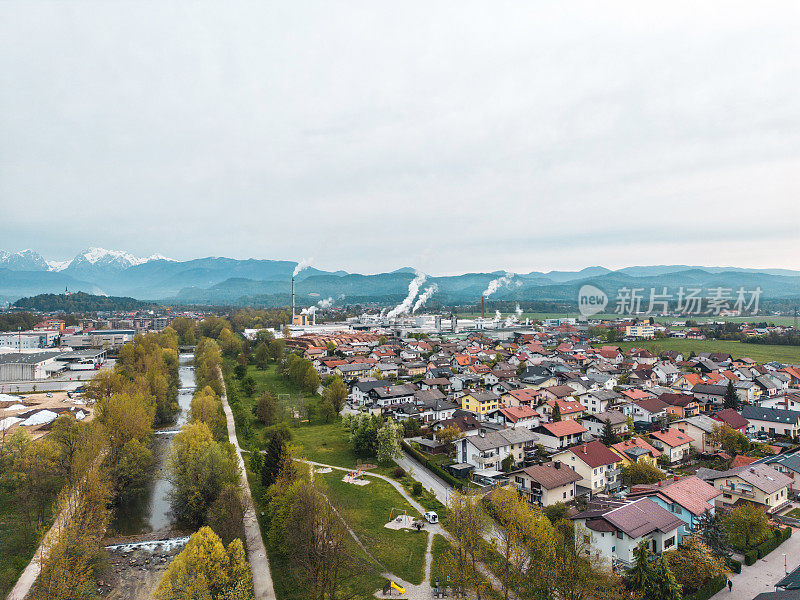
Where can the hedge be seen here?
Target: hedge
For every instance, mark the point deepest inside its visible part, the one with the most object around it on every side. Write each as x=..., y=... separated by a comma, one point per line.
x=709, y=588
x=735, y=565
x=750, y=556
x=432, y=466
x=773, y=542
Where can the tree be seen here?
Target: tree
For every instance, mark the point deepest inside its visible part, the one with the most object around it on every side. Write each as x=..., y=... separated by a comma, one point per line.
x=311, y=381
x=507, y=464
x=261, y=355
x=747, y=525
x=206, y=569
x=225, y=515
x=731, y=399
x=335, y=393
x=198, y=468
x=450, y=434
x=274, y=456
x=609, y=437
x=132, y=471
x=266, y=408
x=663, y=585
x=515, y=515
x=556, y=411
x=388, y=440
x=276, y=348
x=556, y=512
x=248, y=386
x=630, y=424
x=468, y=524
x=641, y=472
x=641, y=574
x=239, y=371
x=710, y=528
x=229, y=343
x=694, y=563
x=728, y=439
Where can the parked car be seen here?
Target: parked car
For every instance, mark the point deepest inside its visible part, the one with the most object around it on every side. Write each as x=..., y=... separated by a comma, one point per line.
x=431, y=517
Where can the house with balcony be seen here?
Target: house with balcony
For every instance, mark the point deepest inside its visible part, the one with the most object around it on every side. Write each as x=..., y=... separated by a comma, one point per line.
x=756, y=483
x=774, y=421
x=487, y=450
x=480, y=402
x=700, y=428
x=674, y=444
x=546, y=484
x=560, y=434
x=688, y=498
x=635, y=450
x=596, y=464
x=615, y=529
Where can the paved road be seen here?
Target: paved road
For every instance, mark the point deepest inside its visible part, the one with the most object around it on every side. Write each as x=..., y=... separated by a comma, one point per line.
x=765, y=573
x=256, y=552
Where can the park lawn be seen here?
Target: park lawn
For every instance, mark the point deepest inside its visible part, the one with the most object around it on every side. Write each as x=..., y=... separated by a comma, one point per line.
x=327, y=444
x=289, y=581
x=366, y=509
x=760, y=353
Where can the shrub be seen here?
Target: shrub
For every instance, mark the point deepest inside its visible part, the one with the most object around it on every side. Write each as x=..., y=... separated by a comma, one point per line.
x=735, y=565
x=399, y=472
x=417, y=488
x=710, y=588
x=750, y=557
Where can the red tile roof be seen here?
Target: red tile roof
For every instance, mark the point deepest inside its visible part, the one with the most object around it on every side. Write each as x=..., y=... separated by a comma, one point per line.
x=595, y=454
x=563, y=428
x=672, y=437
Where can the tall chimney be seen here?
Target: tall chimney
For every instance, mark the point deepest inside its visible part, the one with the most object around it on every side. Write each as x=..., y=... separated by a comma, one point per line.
x=292, y=298
x=483, y=306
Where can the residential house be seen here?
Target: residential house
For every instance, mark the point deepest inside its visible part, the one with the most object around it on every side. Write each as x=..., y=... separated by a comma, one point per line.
x=680, y=405
x=522, y=397
x=514, y=416
x=557, y=392
x=688, y=498
x=731, y=418
x=487, y=450
x=559, y=435
x=571, y=409
x=789, y=465
x=359, y=392
x=616, y=529
x=647, y=410
x=595, y=463
x=774, y=421
x=635, y=450
x=598, y=401
x=757, y=483
x=710, y=395
x=700, y=428
x=546, y=484
x=672, y=443
x=480, y=402
x=596, y=423
x=392, y=394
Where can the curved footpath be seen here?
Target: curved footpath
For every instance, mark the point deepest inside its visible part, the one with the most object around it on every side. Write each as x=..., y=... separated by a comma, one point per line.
x=415, y=592
x=256, y=552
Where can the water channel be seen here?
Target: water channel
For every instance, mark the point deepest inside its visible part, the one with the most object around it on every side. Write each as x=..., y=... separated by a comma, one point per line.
x=151, y=513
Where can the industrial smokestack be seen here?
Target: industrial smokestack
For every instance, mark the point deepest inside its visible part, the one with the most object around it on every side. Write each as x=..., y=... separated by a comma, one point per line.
x=292, y=298
x=483, y=306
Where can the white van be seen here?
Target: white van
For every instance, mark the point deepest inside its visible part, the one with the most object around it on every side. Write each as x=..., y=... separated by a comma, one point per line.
x=431, y=517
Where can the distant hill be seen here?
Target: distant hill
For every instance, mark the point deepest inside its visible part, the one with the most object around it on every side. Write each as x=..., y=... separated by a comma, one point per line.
x=79, y=302
x=219, y=280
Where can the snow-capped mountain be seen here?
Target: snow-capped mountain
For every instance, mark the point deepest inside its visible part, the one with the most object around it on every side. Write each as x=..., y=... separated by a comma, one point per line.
x=30, y=260
x=112, y=259
x=25, y=260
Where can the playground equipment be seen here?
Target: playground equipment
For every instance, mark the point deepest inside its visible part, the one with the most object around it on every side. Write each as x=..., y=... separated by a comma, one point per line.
x=391, y=585
x=399, y=511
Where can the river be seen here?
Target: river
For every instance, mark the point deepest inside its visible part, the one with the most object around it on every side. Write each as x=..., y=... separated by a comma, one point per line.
x=152, y=512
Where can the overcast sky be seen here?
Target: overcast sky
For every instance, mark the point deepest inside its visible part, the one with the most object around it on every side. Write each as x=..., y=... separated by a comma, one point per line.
x=451, y=136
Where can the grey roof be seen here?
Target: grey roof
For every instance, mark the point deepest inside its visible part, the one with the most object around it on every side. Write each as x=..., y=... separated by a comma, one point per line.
x=790, y=461
x=703, y=422
x=504, y=437
x=711, y=389
x=773, y=415
x=28, y=358
x=637, y=518
x=615, y=416
x=765, y=478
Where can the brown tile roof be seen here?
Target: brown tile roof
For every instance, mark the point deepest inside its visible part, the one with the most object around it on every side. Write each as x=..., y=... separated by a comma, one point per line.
x=731, y=417
x=562, y=428
x=550, y=477
x=672, y=437
x=595, y=454
x=691, y=492
x=635, y=442
x=642, y=517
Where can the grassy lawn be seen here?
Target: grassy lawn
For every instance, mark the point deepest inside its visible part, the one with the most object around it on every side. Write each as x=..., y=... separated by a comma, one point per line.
x=758, y=352
x=326, y=444
x=18, y=542
x=366, y=509
x=794, y=513
x=289, y=581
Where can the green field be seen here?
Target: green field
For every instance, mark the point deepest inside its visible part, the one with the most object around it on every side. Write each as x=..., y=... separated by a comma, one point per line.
x=366, y=509
x=758, y=352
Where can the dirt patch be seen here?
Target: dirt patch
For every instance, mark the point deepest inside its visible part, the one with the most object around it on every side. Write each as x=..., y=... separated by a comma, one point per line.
x=355, y=480
x=57, y=402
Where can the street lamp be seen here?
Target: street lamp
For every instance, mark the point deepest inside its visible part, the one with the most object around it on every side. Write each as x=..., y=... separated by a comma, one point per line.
x=785, y=570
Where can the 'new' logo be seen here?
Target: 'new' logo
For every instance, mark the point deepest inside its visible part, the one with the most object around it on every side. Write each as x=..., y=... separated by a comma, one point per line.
x=591, y=300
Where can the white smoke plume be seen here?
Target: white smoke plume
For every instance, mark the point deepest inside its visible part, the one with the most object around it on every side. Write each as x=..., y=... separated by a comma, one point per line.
x=413, y=290
x=496, y=284
x=518, y=310
x=302, y=265
x=425, y=296
x=309, y=311
x=497, y=316
x=325, y=302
